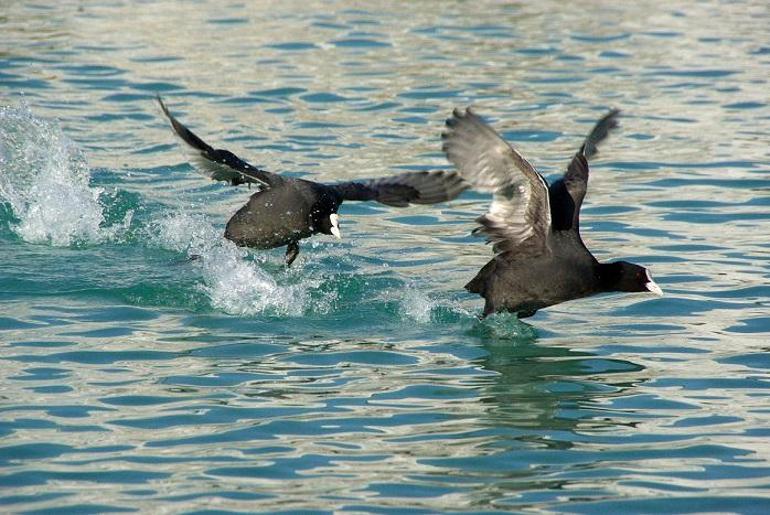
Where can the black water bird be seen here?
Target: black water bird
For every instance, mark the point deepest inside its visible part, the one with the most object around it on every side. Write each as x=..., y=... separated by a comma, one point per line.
x=540, y=259
x=285, y=210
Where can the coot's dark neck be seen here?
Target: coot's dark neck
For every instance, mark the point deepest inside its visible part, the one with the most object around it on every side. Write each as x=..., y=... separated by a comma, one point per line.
x=609, y=276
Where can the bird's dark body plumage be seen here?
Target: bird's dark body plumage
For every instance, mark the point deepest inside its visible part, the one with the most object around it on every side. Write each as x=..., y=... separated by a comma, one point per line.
x=275, y=217
x=540, y=259
x=511, y=282
x=286, y=209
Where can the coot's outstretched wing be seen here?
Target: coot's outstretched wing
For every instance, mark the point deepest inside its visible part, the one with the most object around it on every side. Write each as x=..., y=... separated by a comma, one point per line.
x=567, y=193
x=429, y=187
x=600, y=131
x=218, y=164
x=519, y=218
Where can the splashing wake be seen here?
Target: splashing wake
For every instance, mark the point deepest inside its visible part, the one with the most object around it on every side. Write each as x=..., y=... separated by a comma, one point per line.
x=45, y=179
x=234, y=284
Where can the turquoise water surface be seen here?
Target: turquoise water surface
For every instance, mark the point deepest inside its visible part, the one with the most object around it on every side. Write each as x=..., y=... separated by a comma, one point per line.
x=360, y=380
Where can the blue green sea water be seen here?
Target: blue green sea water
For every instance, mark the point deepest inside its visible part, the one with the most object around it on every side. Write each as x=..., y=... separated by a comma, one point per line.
x=134, y=379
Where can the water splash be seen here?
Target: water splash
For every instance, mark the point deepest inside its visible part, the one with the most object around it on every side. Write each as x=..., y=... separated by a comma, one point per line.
x=423, y=308
x=45, y=179
x=235, y=284
x=417, y=305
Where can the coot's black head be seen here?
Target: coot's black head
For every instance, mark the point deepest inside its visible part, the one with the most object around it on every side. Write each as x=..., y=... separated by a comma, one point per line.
x=625, y=276
x=324, y=217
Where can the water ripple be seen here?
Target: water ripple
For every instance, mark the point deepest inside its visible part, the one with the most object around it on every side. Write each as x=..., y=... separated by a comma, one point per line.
x=137, y=379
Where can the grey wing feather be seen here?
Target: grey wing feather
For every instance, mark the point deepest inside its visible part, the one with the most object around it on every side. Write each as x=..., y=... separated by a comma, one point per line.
x=217, y=164
x=519, y=217
x=428, y=187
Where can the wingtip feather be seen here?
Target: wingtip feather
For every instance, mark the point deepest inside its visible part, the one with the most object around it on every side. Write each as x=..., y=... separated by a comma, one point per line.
x=163, y=107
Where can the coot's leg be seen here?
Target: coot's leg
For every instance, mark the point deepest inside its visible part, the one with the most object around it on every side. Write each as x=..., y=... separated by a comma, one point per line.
x=292, y=251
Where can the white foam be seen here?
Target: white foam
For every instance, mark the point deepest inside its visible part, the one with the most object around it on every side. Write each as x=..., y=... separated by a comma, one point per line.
x=233, y=283
x=45, y=179
x=417, y=305
x=425, y=308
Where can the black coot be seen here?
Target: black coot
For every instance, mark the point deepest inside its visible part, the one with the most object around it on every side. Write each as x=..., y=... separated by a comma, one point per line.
x=286, y=210
x=540, y=259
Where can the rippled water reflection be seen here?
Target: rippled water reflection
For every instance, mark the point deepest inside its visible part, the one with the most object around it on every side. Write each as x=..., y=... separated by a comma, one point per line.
x=360, y=380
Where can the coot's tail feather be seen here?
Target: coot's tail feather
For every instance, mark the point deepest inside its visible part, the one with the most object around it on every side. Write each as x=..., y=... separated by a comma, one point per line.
x=475, y=285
